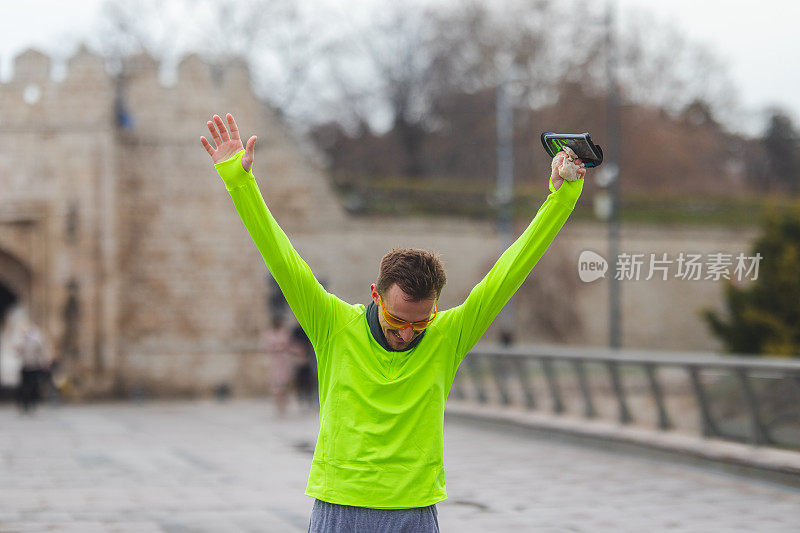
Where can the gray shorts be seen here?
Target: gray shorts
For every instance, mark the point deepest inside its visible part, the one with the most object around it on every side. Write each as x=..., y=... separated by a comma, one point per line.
x=334, y=518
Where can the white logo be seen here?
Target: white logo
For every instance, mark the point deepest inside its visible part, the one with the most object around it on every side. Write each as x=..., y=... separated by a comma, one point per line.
x=635, y=266
x=591, y=266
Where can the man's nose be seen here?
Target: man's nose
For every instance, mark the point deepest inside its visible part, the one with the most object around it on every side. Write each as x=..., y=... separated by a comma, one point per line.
x=407, y=333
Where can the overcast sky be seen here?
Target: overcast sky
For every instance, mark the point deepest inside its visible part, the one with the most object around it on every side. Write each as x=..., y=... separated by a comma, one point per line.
x=753, y=40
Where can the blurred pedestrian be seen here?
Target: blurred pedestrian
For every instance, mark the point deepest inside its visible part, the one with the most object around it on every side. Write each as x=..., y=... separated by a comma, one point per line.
x=31, y=349
x=276, y=342
x=304, y=374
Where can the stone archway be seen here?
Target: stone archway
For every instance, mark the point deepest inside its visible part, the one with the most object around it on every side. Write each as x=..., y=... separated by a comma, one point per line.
x=8, y=301
x=15, y=292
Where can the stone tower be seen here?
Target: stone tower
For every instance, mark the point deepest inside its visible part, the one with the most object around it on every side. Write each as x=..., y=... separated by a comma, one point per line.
x=118, y=238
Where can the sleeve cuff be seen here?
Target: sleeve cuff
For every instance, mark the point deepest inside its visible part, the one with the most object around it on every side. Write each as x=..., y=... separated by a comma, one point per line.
x=568, y=193
x=232, y=172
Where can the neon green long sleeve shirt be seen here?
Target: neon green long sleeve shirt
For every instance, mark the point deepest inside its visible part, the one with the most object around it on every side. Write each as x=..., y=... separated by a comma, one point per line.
x=380, y=442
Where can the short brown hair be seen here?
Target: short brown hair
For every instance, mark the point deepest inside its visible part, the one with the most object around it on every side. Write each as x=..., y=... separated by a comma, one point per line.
x=418, y=273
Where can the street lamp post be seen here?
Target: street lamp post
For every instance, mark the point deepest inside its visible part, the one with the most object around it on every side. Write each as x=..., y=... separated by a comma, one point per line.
x=612, y=175
x=505, y=191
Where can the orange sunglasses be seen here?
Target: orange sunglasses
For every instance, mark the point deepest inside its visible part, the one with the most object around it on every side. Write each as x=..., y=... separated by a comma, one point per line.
x=403, y=324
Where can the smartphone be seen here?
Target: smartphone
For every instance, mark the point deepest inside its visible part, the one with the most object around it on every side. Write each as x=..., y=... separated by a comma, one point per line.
x=581, y=143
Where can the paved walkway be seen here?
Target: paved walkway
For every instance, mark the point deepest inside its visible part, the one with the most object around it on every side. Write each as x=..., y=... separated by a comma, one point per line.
x=233, y=467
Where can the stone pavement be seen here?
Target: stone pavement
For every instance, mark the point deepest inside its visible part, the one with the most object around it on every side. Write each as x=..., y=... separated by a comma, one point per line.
x=234, y=467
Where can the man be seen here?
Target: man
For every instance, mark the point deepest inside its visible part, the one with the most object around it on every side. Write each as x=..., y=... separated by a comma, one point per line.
x=385, y=370
x=32, y=352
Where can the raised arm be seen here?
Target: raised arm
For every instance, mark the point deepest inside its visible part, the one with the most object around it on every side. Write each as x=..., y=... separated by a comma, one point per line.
x=470, y=320
x=316, y=309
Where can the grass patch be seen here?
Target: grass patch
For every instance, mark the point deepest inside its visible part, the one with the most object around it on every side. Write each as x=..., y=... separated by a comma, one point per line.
x=447, y=196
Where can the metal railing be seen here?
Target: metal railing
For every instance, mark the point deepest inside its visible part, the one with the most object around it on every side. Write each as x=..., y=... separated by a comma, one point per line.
x=755, y=400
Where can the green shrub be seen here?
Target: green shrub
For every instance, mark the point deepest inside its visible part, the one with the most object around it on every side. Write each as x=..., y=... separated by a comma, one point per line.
x=764, y=316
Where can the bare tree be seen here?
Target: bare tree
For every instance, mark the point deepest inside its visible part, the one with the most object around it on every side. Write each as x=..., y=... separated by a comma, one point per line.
x=409, y=67
x=126, y=28
x=269, y=35
x=660, y=66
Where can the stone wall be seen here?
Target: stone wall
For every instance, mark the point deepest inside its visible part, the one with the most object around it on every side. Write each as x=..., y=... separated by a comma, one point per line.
x=194, y=287
x=56, y=163
x=555, y=306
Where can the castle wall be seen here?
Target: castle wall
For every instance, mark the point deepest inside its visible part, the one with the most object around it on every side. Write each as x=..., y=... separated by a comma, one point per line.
x=194, y=288
x=555, y=306
x=57, y=139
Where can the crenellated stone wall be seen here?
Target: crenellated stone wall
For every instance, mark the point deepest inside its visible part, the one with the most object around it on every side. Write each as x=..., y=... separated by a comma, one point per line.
x=58, y=148
x=133, y=213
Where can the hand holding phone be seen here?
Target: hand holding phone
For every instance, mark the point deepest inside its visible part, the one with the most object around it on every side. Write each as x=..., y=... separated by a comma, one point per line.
x=580, y=143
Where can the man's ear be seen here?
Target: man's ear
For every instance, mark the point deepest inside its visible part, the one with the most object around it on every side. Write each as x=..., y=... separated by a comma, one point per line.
x=373, y=291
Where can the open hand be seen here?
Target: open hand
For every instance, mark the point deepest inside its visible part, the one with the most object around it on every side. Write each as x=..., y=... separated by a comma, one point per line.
x=228, y=145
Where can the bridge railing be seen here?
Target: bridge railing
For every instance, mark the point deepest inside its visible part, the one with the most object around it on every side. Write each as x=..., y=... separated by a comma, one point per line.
x=745, y=399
